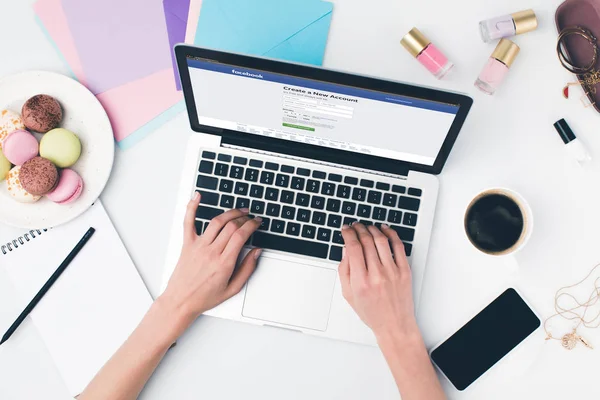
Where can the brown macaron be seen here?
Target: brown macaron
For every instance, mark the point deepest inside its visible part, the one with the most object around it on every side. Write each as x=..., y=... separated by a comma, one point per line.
x=38, y=176
x=41, y=113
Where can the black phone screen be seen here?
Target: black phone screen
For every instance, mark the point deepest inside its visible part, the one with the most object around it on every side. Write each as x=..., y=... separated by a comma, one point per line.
x=485, y=339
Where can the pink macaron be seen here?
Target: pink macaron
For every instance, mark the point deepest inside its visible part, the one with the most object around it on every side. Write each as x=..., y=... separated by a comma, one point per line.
x=19, y=147
x=69, y=188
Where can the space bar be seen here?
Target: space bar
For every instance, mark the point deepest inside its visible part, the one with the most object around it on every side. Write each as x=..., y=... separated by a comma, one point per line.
x=282, y=243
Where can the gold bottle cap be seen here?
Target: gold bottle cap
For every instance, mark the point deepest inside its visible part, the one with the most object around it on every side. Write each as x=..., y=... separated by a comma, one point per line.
x=415, y=42
x=506, y=52
x=525, y=21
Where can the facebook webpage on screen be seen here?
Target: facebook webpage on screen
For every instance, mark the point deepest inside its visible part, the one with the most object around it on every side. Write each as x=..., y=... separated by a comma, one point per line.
x=320, y=113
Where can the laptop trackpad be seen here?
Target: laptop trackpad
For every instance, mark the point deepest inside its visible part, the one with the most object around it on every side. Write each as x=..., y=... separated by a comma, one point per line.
x=290, y=293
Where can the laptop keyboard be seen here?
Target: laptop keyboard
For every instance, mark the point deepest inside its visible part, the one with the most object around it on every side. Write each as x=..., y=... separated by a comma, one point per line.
x=303, y=209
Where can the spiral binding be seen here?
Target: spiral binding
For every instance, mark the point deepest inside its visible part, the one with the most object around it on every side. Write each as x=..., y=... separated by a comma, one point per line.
x=21, y=240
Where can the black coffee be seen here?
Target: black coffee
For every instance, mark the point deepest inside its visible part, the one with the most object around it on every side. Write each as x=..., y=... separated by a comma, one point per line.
x=494, y=223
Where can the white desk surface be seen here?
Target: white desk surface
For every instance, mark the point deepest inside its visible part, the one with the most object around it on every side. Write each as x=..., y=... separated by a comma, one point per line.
x=508, y=140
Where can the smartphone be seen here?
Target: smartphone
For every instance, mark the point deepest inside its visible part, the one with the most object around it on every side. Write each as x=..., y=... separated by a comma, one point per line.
x=485, y=339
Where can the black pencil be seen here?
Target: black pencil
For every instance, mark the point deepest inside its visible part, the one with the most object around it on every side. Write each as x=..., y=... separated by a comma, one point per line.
x=48, y=284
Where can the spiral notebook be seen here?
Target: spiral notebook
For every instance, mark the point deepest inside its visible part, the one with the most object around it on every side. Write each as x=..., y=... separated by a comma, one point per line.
x=93, y=307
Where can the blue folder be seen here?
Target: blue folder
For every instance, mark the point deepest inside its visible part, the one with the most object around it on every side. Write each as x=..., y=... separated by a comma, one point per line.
x=290, y=30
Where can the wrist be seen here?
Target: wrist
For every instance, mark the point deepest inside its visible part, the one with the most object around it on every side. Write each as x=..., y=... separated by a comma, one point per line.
x=174, y=318
x=399, y=336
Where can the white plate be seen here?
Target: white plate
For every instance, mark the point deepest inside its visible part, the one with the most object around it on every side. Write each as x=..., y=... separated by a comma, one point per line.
x=83, y=114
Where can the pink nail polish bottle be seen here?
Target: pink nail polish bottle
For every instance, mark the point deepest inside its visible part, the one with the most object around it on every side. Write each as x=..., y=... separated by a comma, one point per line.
x=428, y=55
x=496, y=68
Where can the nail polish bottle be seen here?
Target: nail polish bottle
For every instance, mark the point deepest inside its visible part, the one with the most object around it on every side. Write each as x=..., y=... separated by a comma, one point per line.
x=428, y=55
x=496, y=68
x=508, y=25
x=574, y=145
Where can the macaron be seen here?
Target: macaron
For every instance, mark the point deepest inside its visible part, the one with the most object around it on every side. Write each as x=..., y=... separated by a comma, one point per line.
x=61, y=146
x=5, y=166
x=16, y=190
x=10, y=121
x=38, y=176
x=19, y=147
x=69, y=188
x=42, y=113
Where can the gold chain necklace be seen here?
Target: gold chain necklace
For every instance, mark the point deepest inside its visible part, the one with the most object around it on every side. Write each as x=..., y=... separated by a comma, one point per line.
x=578, y=311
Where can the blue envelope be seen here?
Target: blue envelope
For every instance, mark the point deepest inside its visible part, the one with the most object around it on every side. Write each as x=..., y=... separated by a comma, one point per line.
x=290, y=30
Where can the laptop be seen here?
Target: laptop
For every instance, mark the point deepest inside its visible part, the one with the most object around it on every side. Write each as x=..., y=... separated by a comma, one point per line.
x=309, y=150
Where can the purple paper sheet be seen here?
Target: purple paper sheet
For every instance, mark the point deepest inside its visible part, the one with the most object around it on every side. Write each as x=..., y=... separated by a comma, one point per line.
x=176, y=16
x=118, y=41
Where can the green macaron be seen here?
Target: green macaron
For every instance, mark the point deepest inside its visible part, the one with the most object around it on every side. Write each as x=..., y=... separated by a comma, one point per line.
x=60, y=146
x=4, y=166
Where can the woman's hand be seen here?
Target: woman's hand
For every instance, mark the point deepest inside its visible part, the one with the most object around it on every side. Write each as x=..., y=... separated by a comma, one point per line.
x=205, y=275
x=378, y=285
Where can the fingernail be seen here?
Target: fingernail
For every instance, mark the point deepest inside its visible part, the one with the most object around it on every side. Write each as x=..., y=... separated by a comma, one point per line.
x=343, y=252
x=245, y=210
x=257, y=254
x=259, y=219
x=345, y=226
x=196, y=196
x=385, y=226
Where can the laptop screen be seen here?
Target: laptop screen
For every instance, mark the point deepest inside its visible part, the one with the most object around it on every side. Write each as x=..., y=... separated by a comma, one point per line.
x=320, y=113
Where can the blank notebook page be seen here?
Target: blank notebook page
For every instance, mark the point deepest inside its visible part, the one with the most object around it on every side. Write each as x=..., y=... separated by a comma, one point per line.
x=93, y=307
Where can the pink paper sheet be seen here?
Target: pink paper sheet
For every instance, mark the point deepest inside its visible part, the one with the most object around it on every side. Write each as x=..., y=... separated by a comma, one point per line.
x=193, y=17
x=129, y=106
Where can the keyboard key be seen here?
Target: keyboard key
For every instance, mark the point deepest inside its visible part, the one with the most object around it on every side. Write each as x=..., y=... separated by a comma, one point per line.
x=226, y=186
x=395, y=217
x=335, y=177
x=273, y=210
x=208, y=212
x=303, y=215
x=350, y=180
x=313, y=186
x=366, y=183
x=334, y=221
x=198, y=224
x=277, y=226
x=272, y=194
x=415, y=192
x=221, y=169
x=408, y=249
x=374, y=197
x=390, y=200
x=287, y=169
x=267, y=177
x=288, y=212
x=410, y=219
x=406, y=234
x=318, y=202
x=364, y=211
x=409, y=203
x=242, y=202
x=224, y=157
x=241, y=188
x=293, y=229
x=257, y=207
x=256, y=191
x=251, y=175
x=206, y=167
x=303, y=171
x=337, y=237
x=256, y=163
x=348, y=208
x=324, y=234
x=210, y=198
x=328, y=189
x=359, y=194
x=264, y=225
x=236, y=172
x=349, y=221
x=287, y=197
x=319, y=174
x=398, y=189
x=309, y=231
x=297, y=183
x=343, y=191
x=318, y=218
x=207, y=182
x=226, y=201
x=209, y=154
x=335, y=253
x=382, y=186
x=333, y=205
x=379, y=213
x=282, y=180
x=303, y=200
x=272, y=166
x=240, y=160
x=290, y=245
x=365, y=222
